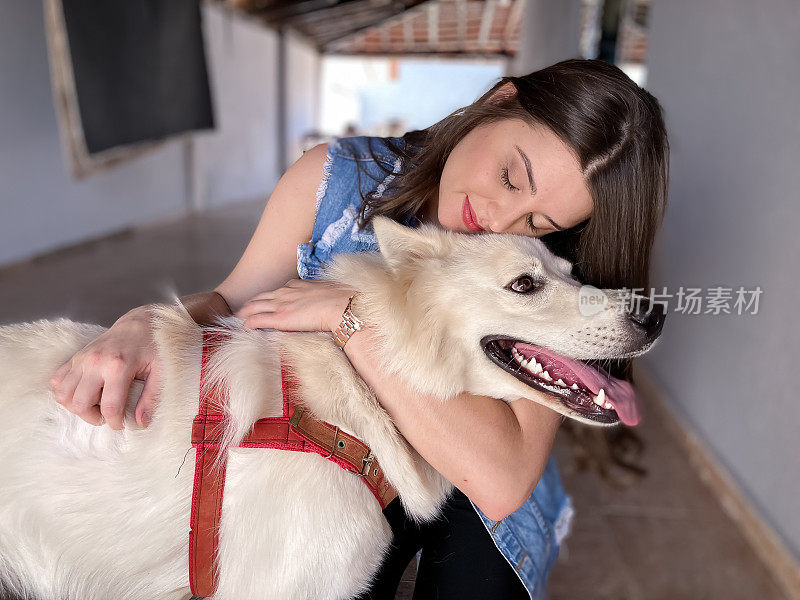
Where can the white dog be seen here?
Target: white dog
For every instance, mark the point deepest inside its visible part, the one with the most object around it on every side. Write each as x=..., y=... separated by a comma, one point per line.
x=90, y=513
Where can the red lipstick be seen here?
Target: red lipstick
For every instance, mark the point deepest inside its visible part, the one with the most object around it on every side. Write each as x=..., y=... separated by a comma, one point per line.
x=469, y=217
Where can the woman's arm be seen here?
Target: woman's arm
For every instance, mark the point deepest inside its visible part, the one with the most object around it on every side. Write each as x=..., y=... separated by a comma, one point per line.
x=270, y=259
x=495, y=452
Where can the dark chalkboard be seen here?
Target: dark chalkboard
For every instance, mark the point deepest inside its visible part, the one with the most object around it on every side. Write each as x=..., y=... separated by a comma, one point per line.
x=140, y=69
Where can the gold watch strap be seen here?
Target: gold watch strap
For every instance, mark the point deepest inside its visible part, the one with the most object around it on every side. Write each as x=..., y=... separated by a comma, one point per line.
x=349, y=325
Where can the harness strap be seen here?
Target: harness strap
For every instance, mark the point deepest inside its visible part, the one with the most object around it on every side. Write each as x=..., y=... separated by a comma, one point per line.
x=297, y=430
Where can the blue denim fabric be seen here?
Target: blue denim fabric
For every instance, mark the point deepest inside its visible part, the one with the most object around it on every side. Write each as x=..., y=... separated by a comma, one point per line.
x=530, y=537
x=339, y=200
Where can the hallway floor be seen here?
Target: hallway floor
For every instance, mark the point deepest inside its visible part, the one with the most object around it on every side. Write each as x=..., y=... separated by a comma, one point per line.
x=667, y=538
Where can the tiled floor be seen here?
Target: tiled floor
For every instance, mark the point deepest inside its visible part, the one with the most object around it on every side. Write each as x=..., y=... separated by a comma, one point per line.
x=667, y=538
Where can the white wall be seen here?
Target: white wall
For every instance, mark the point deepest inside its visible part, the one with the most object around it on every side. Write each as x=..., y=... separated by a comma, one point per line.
x=303, y=93
x=42, y=208
x=239, y=159
x=728, y=75
x=550, y=32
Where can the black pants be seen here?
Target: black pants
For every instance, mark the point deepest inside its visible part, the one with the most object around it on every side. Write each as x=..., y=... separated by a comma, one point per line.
x=459, y=560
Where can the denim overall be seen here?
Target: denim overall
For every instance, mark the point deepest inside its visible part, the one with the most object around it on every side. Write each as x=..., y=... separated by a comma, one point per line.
x=530, y=537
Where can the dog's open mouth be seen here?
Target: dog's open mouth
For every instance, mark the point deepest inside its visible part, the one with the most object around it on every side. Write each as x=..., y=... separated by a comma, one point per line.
x=586, y=389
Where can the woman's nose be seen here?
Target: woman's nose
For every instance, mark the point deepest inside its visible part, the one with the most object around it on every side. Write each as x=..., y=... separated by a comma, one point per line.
x=501, y=215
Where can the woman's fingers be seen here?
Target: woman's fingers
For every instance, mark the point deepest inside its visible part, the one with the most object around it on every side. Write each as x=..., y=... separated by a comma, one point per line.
x=299, y=305
x=147, y=401
x=95, y=383
x=291, y=292
x=264, y=320
x=262, y=296
x=86, y=399
x=114, y=397
x=59, y=374
x=276, y=314
x=252, y=307
x=65, y=388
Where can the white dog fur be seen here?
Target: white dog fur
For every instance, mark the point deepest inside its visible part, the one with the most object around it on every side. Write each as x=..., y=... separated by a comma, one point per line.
x=88, y=513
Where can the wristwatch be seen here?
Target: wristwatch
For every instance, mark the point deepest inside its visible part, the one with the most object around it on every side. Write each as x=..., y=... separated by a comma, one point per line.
x=349, y=325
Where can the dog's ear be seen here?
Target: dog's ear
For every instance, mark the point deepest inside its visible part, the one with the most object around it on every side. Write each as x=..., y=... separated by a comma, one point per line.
x=563, y=265
x=399, y=244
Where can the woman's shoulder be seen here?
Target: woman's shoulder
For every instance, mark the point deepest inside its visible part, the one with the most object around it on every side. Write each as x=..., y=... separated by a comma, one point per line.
x=365, y=148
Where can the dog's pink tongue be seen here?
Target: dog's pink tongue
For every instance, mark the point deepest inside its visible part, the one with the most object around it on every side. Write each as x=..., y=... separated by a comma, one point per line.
x=617, y=391
x=620, y=393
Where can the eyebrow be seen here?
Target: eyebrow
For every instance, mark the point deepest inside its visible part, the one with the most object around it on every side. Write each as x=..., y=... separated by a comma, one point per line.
x=532, y=183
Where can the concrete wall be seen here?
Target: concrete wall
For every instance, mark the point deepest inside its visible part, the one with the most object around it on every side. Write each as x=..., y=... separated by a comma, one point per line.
x=303, y=92
x=42, y=208
x=239, y=160
x=550, y=32
x=727, y=74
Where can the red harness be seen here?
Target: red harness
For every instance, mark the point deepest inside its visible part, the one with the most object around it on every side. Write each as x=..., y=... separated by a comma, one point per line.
x=296, y=430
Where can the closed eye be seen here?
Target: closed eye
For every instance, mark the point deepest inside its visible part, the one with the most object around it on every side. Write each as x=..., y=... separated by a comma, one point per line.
x=533, y=227
x=506, y=181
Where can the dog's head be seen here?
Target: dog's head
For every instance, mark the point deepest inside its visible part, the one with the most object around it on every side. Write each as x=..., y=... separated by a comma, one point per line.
x=497, y=315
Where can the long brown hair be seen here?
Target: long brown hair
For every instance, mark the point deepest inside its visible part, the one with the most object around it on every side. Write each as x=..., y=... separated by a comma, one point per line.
x=615, y=128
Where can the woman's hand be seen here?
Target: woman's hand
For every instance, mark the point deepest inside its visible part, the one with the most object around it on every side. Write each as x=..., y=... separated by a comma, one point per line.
x=300, y=305
x=94, y=384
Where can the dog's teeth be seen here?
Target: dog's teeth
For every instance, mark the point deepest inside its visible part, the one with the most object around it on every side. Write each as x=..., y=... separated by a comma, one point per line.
x=600, y=399
x=574, y=386
x=545, y=375
x=608, y=405
x=536, y=368
x=561, y=382
x=524, y=362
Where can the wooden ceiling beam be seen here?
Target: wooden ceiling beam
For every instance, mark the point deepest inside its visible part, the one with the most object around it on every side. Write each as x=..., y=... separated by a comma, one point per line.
x=292, y=15
x=433, y=24
x=344, y=25
x=456, y=28
x=514, y=18
x=377, y=20
x=408, y=30
x=455, y=54
x=344, y=9
x=277, y=12
x=461, y=20
x=486, y=23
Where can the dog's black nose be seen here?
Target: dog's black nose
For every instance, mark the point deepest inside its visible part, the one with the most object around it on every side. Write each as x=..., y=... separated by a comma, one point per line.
x=648, y=316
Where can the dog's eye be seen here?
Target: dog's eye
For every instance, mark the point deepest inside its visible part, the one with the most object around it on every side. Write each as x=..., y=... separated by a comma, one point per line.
x=523, y=285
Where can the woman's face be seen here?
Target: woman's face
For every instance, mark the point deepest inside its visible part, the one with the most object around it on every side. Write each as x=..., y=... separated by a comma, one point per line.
x=508, y=176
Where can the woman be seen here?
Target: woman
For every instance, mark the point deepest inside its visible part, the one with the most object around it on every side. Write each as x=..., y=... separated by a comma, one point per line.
x=576, y=152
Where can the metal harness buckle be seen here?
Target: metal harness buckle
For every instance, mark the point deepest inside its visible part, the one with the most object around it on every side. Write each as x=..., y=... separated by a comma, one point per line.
x=367, y=460
x=296, y=414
